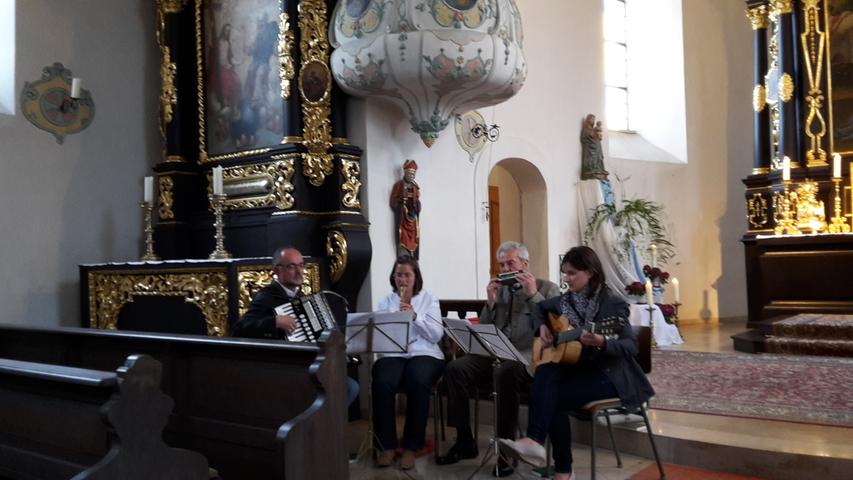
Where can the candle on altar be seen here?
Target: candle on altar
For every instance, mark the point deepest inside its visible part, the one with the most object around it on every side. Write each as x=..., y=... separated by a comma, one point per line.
x=836, y=165
x=654, y=250
x=649, y=298
x=676, y=290
x=217, y=180
x=148, y=191
x=76, y=85
x=786, y=169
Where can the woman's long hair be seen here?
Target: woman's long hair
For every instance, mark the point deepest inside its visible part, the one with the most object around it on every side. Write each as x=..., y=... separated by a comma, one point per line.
x=410, y=261
x=585, y=259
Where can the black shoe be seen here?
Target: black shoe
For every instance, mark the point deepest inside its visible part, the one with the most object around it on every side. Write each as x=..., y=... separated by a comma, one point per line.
x=502, y=469
x=459, y=451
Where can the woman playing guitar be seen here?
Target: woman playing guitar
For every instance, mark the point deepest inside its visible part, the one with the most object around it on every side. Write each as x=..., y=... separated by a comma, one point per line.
x=606, y=367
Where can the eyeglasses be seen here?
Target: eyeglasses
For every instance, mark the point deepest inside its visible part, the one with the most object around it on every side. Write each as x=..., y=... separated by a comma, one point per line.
x=291, y=266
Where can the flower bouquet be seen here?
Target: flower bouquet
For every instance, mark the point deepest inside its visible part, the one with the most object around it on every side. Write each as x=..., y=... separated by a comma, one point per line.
x=635, y=292
x=656, y=275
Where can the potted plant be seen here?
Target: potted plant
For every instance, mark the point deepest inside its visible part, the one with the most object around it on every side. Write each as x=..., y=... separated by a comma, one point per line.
x=639, y=222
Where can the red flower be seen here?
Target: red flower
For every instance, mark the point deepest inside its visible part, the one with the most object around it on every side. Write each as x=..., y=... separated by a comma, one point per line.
x=635, y=288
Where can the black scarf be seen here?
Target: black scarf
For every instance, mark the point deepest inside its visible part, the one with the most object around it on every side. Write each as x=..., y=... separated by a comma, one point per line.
x=580, y=308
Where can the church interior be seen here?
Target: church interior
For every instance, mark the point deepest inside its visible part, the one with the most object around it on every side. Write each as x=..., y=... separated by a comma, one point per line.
x=157, y=152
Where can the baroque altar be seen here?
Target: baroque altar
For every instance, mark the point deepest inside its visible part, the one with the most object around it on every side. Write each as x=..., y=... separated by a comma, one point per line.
x=798, y=245
x=246, y=86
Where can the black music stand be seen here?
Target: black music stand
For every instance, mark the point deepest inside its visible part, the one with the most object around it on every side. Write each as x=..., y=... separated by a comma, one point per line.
x=371, y=333
x=486, y=340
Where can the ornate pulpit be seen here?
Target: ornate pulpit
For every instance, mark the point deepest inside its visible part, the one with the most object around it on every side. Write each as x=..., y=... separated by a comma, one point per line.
x=246, y=85
x=799, y=250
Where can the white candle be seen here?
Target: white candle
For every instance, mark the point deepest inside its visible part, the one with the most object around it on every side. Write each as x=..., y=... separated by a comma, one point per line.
x=654, y=249
x=148, y=192
x=836, y=165
x=76, y=84
x=786, y=169
x=677, y=290
x=650, y=299
x=217, y=180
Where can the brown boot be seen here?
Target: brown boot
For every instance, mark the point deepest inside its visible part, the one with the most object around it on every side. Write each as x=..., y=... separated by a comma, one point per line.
x=385, y=458
x=407, y=461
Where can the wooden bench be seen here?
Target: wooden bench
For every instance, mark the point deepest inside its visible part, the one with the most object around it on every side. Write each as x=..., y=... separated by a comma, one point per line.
x=253, y=408
x=62, y=422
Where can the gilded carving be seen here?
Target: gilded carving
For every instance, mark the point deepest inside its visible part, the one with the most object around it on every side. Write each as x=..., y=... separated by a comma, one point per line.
x=169, y=92
x=759, y=98
x=249, y=281
x=286, y=68
x=206, y=289
x=351, y=171
x=199, y=55
x=757, y=17
x=812, y=41
x=786, y=87
x=783, y=6
x=811, y=215
x=172, y=6
x=757, y=207
x=166, y=198
x=315, y=84
x=278, y=174
x=235, y=155
x=336, y=250
x=311, y=280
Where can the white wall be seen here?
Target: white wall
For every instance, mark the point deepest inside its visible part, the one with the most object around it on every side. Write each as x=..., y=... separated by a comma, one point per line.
x=62, y=205
x=541, y=124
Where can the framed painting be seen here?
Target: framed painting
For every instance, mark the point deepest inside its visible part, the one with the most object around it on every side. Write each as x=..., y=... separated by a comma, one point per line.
x=839, y=21
x=242, y=107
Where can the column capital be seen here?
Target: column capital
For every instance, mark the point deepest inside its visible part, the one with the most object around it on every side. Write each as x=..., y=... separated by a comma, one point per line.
x=758, y=17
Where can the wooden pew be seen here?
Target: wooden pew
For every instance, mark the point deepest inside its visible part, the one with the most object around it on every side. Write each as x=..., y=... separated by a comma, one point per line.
x=253, y=408
x=60, y=422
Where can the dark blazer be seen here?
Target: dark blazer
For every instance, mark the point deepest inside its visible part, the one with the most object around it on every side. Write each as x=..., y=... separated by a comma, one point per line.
x=259, y=319
x=616, y=358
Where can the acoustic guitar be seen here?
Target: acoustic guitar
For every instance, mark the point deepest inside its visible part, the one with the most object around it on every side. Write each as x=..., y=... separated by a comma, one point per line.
x=566, y=347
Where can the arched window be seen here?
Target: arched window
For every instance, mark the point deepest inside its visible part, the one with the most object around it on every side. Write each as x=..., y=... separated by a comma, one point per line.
x=616, y=65
x=7, y=57
x=644, y=80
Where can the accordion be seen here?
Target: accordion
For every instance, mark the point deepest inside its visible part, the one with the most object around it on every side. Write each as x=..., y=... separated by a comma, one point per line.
x=313, y=316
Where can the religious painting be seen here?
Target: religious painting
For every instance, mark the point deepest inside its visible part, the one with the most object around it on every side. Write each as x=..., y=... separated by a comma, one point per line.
x=242, y=92
x=314, y=80
x=839, y=15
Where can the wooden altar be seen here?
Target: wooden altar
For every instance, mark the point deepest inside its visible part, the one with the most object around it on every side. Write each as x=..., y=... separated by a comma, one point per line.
x=798, y=245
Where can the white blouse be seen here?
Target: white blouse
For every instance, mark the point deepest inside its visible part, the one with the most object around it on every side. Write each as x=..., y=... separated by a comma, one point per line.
x=426, y=329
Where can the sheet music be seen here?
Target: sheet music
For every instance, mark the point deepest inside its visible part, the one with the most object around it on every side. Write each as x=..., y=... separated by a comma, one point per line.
x=494, y=340
x=390, y=332
x=459, y=330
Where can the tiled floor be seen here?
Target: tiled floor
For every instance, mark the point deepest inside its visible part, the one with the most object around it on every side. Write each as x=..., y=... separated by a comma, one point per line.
x=709, y=337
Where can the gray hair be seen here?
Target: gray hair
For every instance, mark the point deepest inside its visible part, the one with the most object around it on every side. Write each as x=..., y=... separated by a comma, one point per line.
x=276, y=255
x=517, y=246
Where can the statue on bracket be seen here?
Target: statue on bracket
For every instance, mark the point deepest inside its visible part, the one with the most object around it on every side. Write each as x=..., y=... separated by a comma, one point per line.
x=592, y=155
x=406, y=203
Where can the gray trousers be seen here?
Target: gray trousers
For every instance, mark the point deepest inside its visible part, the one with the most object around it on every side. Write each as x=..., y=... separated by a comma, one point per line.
x=464, y=375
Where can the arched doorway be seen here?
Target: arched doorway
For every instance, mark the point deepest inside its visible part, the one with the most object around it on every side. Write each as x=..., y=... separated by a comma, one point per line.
x=518, y=210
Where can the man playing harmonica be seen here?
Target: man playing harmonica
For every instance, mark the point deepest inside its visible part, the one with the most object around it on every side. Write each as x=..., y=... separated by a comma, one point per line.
x=510, y=300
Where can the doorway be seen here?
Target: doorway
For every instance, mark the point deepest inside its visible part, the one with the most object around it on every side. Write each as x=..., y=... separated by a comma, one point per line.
x=518, y=211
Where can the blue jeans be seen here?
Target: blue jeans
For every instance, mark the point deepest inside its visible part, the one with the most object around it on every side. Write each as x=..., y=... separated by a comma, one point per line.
x=556, y=390
x=413, y=376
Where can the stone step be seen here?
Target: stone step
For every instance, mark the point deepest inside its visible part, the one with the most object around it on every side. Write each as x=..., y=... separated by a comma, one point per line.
x=631, y=438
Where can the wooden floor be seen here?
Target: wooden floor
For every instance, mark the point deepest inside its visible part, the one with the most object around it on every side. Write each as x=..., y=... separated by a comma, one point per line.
x=792, y=439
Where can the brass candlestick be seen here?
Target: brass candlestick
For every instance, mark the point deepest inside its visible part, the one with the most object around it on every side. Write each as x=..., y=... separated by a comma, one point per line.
x=839, y=223
x=149, y=232
x=786, y=223
x=217, y=201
